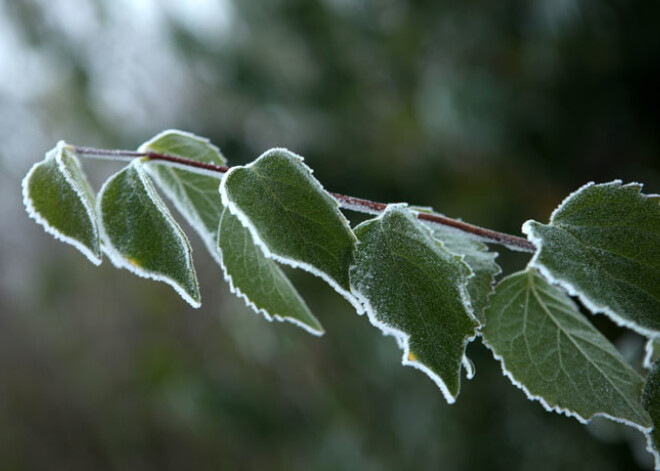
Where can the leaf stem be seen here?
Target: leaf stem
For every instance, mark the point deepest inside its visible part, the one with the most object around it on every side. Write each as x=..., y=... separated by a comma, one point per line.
x=347, y=202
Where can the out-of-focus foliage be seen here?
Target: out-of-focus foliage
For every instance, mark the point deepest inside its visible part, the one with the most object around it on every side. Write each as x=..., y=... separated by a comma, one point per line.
x=491, y=111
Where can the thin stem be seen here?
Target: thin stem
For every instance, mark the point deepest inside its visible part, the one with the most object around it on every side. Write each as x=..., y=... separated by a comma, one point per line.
x=347, y=202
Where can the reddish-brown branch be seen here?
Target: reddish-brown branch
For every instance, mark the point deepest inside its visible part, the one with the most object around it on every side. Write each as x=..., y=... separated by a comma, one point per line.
x=347, y=202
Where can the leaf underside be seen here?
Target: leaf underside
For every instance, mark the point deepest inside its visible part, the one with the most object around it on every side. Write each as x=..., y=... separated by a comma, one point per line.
x=58, y=196
x=291, y=217
x=549, y=349
x=140, y=234
x=195, y=195
x=415, y=290
x=603, y=245
x=482, y=263
x=258, y=279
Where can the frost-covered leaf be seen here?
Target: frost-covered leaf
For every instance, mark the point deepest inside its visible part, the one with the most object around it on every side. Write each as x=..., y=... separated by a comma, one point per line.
x=479, y=259
x=652, y=350
x=552, y=352
x=651, y=402
x=57, y=195
x=258, y=279
x=603, y=245
x=193, y=194
x=415, y=290
x=140, y=234
x=291, y=217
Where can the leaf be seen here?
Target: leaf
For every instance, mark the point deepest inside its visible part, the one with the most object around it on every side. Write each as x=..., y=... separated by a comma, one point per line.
x=603, y=245
x=291, y=217
x=415, y=290
x=481, y=262
x=550, y=351
x=651, y=402
x=140, y=234
x=652, y=350
x=194, y=195
x=258, y=280
x=57, y=195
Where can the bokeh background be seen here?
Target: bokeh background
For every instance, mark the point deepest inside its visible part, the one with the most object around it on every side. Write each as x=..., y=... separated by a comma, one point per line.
x=489, y=111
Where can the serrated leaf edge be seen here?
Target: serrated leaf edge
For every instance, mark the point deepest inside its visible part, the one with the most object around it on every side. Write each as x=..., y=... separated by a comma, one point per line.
x=233, y=208
x=269, y=317
x=556, y=409
x=120, y=261
x=403, y=339
x=39, y=219
x=593, y=306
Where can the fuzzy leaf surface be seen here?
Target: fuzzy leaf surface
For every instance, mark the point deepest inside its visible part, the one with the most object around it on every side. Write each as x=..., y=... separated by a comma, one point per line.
x=651, y=402
x=258, y=279
x=140, y=234
x=415, y=290
x=291, y=217
x=57, y=195
x=194, y=195
x=551, y=351
x=481, y=262
x=603, y=245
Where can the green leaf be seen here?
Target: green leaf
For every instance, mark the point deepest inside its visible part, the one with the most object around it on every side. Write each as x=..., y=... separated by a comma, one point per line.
x=194, y=195
x=291, y=217
x=603, y=245
x=57, y=195
x=651, y=402
x=415, y=290
x=481, y=262
x=258, y=280
x=552, y=352
x=140, y=234
x=652, y=350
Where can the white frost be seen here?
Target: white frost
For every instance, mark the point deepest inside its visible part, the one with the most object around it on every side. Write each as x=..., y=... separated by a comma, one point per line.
x=235, y=290
x=651, y=449
x=403, y=339
x=56, y=153
x=206, y=141
x=188, y=211
x=557, y=409
x=121, y=262
x=590, y=303
x=247, y=223
x=648, y=348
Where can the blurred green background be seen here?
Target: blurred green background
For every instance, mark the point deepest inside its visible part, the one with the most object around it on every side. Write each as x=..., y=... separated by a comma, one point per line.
x=489, y=111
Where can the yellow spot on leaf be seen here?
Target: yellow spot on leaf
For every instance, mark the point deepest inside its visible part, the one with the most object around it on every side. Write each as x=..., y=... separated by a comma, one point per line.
x=412, y=356
x=133, y=262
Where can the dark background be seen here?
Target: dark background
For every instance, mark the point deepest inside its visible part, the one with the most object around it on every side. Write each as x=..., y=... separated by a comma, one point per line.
x=488, y=111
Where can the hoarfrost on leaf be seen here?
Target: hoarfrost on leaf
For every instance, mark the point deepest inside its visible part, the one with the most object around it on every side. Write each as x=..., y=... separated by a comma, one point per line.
x=479, y=259
x=291, y=217
x=552, y=352
x=652, y=350
x=651, y=402
x=258, y=279
x=57, y=195
x=194, y=195
x=416, y=290
x=140, y=234
x=603, y=245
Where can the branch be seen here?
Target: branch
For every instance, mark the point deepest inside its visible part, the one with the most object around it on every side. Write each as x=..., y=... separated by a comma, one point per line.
x=347, y=202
